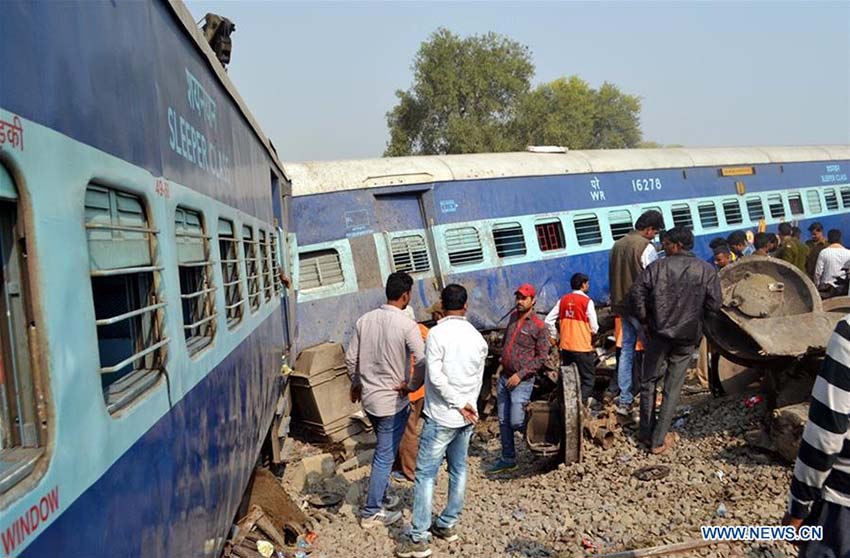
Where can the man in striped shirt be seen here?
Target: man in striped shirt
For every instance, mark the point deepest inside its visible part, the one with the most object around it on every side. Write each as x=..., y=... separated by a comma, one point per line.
x=820, y=489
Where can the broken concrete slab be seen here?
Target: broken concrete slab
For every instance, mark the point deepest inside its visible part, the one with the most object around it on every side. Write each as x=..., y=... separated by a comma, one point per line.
x=362, y=458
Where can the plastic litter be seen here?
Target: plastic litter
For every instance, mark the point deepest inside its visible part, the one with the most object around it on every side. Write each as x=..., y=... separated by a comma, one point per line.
x=589, y=544
x=519, y=515
x=721, y=510
x=265, y=548
x=752, y=401
x=679, y=424
x=300, y=554
x=719, y=474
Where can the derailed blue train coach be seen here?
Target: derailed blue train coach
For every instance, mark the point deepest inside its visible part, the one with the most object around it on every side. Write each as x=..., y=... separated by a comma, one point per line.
x=143, y=220
x=494, y=221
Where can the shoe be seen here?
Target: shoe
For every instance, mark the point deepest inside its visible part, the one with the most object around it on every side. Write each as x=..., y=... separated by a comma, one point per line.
x=448, y=534
x=391, y=502
x=398, y=476
x=383, y=518
x=407, y=548
x=501, y=467
x=624, y=410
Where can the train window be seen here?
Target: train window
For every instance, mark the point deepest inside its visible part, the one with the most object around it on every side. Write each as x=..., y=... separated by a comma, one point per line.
x=509, y=239
x=252, y=267
x=813, y=197
x=732, y=212
x=620, y=223
x=464, y=246
x=23, y=433
x=775, y=206
x=845, y=198
x=228, y=245
x=682, y=215
x=550, y=235
x=410, y=253
x=196, y=284
x=708, y=215
x=278, y=287
x=319, y=268
x=795, y=202
x=831, y=199
x=267, y=273
x=127, y=307
x=587, y=229
x=755, y=209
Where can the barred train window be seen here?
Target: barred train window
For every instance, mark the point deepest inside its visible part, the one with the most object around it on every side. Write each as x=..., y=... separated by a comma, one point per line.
x=682, y=215
x=509, y=240
x=620, y=223
x=278, y=287
x=196, y=283
x=252, y=267
x=732, y=211
x=464, y=246
x=127, y=307
x=267, y=274
x=831, y=200
x=795, y=202
x=755, y=209
x=707, y=215
x=410, y=253
x=813, y=197
x=845, y=198
x=587, y=229
x=23, y=432
x=775, y=206
x=550, y=235
x=228, y=246
x=319, y=268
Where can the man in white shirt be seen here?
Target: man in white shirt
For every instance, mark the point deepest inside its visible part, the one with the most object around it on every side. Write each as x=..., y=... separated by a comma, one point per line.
x=454, y=354
x=831, y=260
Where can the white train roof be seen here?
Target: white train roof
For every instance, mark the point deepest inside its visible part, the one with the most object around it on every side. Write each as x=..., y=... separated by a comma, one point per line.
x=315, y=177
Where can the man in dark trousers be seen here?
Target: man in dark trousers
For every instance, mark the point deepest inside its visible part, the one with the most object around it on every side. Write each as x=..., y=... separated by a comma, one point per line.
x=525, y=349
x=670, y=299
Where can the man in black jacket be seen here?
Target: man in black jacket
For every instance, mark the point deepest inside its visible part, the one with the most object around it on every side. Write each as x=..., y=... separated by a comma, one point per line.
x=670, y=299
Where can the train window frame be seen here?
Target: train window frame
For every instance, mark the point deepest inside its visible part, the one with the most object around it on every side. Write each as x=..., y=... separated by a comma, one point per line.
x=795, y=204
x=844, y=196
x=505, y=239
x=195, y=274
x=317, y=259
x=708, y=219
x=676, y=210
x=617, y=220
x=230, y=260
x=275, y=254
x=813, y=198
x=24, y=426
x=749, y=206
x=830, y=199
x=727, y=211
x=581, y=232
x=776, y=202
x=463, y=246
x=547, y=230
x=131, y=271
x=252, y=267
x=406, y=253
x=263, y=239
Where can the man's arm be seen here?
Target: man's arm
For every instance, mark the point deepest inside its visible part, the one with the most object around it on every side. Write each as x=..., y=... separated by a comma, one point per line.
x=826, y=429
x=591, y=317
x=819, y=269
x=352, y=356
x=439, y=380
x=413, y=340
x=639, y=295
x=552, y=320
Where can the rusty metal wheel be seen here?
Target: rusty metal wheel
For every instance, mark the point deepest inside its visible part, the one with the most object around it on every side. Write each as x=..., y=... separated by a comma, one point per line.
x=571, y=391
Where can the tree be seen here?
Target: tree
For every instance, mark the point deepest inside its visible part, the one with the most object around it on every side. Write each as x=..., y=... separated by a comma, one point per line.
x=464, y=96
x=616, y=120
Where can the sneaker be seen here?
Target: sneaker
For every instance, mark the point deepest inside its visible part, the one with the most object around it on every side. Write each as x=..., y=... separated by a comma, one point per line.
x=383, y=518
x=398, y=476
x=501, y=467
x=624, y=410
x=391, y=502
x=448, y=534
x=407, y=548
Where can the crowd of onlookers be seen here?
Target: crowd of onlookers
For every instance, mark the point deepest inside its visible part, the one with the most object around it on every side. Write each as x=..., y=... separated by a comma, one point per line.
x=420, y=387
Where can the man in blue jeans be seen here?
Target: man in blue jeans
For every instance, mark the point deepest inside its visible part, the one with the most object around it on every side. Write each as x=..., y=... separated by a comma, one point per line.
x=525, y=348
x=455, y=354
x=378, y=361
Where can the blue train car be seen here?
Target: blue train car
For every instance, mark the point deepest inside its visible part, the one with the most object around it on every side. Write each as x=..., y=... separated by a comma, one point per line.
x=493, y=221
x=143, y=220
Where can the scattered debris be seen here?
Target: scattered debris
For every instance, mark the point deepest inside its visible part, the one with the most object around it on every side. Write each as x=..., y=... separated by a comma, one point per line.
x=721, y=510
x=651, y=472
x=752, y=401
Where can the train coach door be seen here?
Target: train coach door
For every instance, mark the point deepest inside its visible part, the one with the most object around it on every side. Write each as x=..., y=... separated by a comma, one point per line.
x=283, y=262
x=409, y=241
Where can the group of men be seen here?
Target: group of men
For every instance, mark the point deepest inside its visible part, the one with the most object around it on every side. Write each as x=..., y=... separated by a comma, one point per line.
x=660, y=303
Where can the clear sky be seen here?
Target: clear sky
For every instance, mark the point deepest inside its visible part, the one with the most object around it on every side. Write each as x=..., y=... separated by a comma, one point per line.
x=320, y=76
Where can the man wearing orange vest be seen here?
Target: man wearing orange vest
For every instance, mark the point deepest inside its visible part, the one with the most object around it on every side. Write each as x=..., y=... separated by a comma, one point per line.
x=576, y=321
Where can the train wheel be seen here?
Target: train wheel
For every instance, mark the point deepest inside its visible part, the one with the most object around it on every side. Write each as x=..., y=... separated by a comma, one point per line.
x=571, y=393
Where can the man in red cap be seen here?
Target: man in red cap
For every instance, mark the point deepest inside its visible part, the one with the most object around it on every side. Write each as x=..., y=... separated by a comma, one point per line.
x=524, y=350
